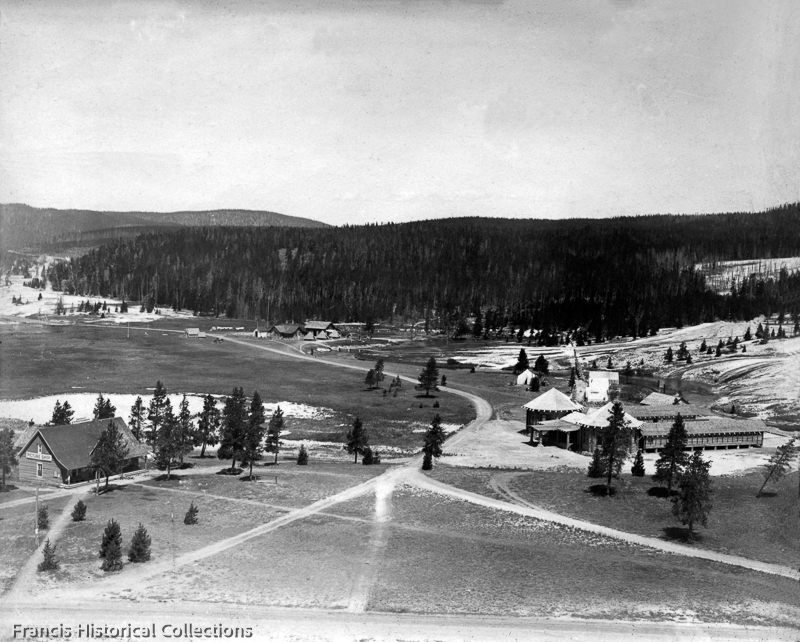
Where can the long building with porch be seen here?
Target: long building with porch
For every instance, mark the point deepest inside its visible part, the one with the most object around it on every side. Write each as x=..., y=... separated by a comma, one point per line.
x=60, y=455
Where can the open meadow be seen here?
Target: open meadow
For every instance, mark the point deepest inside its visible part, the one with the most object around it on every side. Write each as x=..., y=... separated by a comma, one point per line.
x=763, y=528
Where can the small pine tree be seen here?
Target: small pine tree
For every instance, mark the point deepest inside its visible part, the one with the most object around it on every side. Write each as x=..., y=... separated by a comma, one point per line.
x=113, y=558
x=427, y=461
x=140, y=546
x=692, y=503
x=190, y=519
x=302, y=456
x=668, y=356
x=43, y=518
x=596, y=468
x=366, y=457
x=637, y=470
x=111, y=535
x=779, y=464
x=79, y=511
x=49, y=563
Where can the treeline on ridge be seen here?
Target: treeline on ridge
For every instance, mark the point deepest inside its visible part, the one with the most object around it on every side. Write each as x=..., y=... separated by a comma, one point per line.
x=610, y=276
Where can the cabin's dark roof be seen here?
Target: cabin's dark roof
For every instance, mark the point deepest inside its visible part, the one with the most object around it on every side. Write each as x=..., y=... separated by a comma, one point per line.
x=318, y=325
x=646, y=413
x=72, y=445
x=713, y=426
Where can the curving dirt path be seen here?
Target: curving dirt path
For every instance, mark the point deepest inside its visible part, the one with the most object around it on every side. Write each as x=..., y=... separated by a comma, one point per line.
x=522, y=507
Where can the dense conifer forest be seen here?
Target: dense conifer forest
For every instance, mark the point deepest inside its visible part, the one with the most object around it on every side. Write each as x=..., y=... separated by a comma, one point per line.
x=611, y=276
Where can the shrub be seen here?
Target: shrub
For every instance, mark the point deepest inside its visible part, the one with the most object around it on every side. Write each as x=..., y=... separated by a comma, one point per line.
x=49, y=563
x=302, y=456
x=376, y=457
x=637, y=470
x=43, y=518
x=111, y=535
x=140, y=545
x=427, y=461
x=191, y=515
x=367, y=457
x=79, y=511
x=435, y=404
x=113, y=558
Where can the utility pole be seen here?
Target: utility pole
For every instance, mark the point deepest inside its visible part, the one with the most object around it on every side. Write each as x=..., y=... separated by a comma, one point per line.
x=36, y=518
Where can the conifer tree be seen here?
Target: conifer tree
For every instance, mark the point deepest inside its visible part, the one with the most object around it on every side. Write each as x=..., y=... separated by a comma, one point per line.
x=302, y=456
x=112, y=560
x=778, y=464
x=206, y=433
x=522, y=362
x=596, y=467
x=190, y=519
x=668, y=356
x=427, y=461
x=357, y=439
x=156, y=411
x=8, y=455
x=369, y=380
x=673, y=457
x=103, y=408
x=110, y=453
x=43, y=518
x=112, y=534
x=186, y=429
x=703, y=347
x=62, y=415
x=535, y=385
x=168, y=442
x=79, y=511
x=139, y=550
x=692, y=503
x=615, y=443
x=572, y=377
x=542, y=365
x=434, y=437
x=234, y=420
x=255, y=429
x=429, y=377
x=379, y=376
x=49, y=563
x=137, y=418
x=637, y=470
x=276, y=423
x=366, y=457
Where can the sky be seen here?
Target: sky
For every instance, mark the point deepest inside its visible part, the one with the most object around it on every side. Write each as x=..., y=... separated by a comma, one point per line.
x=394, y=110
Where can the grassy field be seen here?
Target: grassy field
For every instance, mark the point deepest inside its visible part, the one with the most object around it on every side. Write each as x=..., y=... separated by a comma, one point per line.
x=740, y=524
x=17, y=539
x=42, y=360
x=468, y=559
x=284, y=485
x=162, y=514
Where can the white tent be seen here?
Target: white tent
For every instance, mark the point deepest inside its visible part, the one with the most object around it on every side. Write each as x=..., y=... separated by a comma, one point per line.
x=525, y=378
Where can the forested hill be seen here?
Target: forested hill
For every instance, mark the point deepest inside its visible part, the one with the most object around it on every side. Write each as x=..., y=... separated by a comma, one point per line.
x=24, y=227
x=616, y=276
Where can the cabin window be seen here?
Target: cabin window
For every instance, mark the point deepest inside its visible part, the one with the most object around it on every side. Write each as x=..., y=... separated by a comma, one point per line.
x=39, y=470
x=55, y=474
x=39, y=448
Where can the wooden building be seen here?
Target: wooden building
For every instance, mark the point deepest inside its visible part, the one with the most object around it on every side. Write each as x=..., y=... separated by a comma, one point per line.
x=286, y=331
x=714, y=433
x=548, y=406
x=593, y=423
x=56, y=455
x=668, y=412
x=318, y=329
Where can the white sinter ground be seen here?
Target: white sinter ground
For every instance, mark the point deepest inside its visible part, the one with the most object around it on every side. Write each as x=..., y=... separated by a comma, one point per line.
x=40, y=409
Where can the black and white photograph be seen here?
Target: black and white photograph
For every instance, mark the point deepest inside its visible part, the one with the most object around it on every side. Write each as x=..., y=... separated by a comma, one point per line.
x=400, y=320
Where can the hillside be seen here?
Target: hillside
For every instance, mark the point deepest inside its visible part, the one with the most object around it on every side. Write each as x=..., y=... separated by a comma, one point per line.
x=23, y=227
x=613, y=276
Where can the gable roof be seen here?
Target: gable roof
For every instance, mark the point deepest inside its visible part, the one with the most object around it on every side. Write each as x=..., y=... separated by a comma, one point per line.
x=713, y=426
x=72, y=445
x=658, y=399
x=318, y=325
x=604, y=374
x=552, y=401
x=286, y=328
x=599, y=418
x=669, y=411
